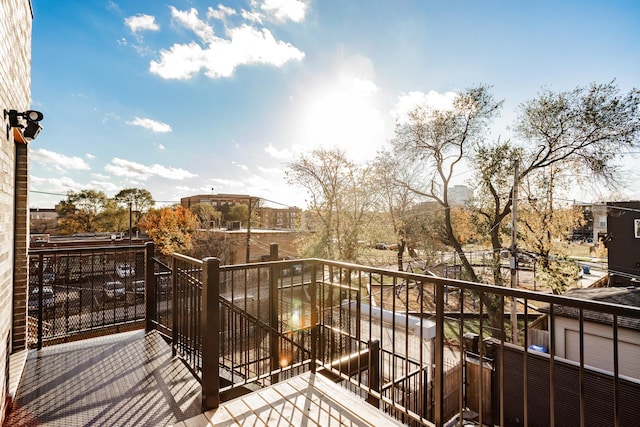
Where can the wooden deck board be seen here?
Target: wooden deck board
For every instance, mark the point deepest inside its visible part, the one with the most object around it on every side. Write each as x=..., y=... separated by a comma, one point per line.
x=305, y=406
x=307, y=399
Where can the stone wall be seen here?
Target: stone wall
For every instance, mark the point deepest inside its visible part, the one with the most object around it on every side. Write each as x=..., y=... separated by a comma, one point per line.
x=15, y=75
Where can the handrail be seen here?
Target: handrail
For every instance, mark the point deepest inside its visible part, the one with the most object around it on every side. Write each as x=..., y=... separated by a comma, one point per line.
x=279, y=318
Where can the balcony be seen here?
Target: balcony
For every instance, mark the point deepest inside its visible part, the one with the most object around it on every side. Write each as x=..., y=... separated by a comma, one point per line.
x=284, y=338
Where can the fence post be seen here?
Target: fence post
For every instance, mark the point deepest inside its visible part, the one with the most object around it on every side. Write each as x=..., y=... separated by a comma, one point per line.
x=210, y=321
x=150, y=292
x=274, y=345
x=374, y=372
x=438, y=386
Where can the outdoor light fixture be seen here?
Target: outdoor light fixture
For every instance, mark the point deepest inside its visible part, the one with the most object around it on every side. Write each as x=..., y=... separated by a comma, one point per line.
x=32, y=117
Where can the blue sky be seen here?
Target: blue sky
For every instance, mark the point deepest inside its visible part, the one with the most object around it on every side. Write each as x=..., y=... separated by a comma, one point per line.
x=185, y=96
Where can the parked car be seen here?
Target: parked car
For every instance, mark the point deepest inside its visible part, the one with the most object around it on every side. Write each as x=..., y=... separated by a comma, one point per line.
x=113, y=290
x=523, y=258
x=48, y=298
x=381, y=246
x=138, y=288
x=125, y=270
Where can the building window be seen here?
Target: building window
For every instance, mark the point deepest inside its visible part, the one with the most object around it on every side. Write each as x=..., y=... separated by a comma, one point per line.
x=602, y=221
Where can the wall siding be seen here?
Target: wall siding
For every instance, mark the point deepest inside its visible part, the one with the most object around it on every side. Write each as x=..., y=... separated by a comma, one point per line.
x=15, y=75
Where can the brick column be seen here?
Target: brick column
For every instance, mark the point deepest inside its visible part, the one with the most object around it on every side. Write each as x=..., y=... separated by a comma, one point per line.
x=21, y=247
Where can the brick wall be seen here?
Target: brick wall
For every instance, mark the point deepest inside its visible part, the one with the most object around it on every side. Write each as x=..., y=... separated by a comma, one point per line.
x=15, y=75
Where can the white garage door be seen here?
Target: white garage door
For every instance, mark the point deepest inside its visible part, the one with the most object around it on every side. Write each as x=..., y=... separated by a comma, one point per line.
x=598, y=352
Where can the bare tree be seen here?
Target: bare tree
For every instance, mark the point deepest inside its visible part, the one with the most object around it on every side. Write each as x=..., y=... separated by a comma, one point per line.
x=437, y=142
x=585, y=129
x=340, y=198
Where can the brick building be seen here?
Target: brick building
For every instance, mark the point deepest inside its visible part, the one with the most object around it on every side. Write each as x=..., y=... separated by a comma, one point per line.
x=275, y=218
x=15, y=94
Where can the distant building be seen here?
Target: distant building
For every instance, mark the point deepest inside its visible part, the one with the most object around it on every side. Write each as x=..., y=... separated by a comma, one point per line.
x=594, y=224
x=216, y=200
x=459, y=194
x=276, y=218
x=287, y=218
x=599, y=222
x=43, y=221
x=623, y=242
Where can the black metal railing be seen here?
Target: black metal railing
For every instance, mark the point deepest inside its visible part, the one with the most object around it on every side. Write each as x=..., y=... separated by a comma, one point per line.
x=74, y=291
x=423, y=349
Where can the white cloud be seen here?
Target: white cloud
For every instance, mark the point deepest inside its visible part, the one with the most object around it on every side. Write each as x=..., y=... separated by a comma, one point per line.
x=57, y=160
x=221, y=13
x=256, y=181
x=408, y=102
x=189, y=19
x=283, y=10
x=255, y=17
x=152, y=125
x=135, y=170
x=65, y=184
x=54, y=185
x=241, y=166
x=106, y=186
x=160, y=146
x=107, y=117
x=244, y=45
x=284, y=154
x=90, y=156
x=141, y=22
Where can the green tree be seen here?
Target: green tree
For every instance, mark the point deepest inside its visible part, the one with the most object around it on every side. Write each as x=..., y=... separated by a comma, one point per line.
x=207, y=215
x=137, y=200
x=238, y=212
x=79, y=212
x=113, y=217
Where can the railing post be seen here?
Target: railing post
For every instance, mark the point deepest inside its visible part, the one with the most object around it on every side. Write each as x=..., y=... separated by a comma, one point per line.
x=40, y=299
x=210, y=321
x=274, y=345
x=315, y=326
x=150, y=291
x=174, y=306
x=374, y=372
x=438, y=388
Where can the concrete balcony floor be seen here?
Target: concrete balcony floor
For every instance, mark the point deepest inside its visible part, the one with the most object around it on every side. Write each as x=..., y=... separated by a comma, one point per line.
x=126, y=379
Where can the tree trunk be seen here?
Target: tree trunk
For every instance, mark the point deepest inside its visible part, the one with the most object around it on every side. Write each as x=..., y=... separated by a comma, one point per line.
x=469, y=273
x=401, y=247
